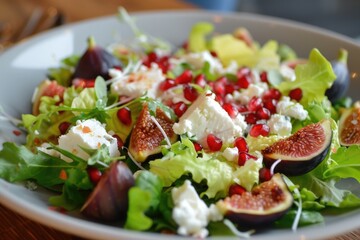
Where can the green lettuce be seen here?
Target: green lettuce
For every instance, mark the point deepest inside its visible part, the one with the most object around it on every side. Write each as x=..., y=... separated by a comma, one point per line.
x=182, y=159
x=144, y=200
x=197, y=37
x=313, y=77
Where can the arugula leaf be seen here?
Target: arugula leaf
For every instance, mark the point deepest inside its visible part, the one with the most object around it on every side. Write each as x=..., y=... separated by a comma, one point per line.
x=306, y=218
x=75, y=190
x=17, y=163
x=101, y=92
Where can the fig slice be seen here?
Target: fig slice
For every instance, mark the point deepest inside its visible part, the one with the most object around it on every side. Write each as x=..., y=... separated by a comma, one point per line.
x=349, y=126
x=302, y=151
x=109, y=199
x=146, y=137
x=265, y=204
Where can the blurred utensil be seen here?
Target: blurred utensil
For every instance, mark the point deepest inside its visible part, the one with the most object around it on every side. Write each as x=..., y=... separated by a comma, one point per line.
x=40, y=20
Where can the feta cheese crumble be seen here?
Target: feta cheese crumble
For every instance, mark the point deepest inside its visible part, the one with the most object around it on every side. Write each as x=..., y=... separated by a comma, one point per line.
x=254, y=90
x=206, y=116
x=87, y=134
x=145, y=80
x=292, y=109
x=191, y=213
x=280, y=125
x=198, y=60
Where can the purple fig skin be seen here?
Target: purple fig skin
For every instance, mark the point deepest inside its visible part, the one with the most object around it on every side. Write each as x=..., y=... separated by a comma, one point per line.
x=109, y=200
x=96, y=61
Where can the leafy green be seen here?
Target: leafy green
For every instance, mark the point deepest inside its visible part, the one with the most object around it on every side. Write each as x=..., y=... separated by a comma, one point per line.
x=64, y=73
x=219, y=175
x=313, y=77
x=17, y=163
x=143, y=198
x=74, y=192
x=346, y=163
x=197, y=37
x=306, y=218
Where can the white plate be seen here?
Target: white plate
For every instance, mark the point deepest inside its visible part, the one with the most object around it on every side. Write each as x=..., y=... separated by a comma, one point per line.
x=25, y=65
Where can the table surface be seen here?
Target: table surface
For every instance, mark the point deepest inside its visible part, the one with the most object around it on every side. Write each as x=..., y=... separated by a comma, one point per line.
x=13, y=225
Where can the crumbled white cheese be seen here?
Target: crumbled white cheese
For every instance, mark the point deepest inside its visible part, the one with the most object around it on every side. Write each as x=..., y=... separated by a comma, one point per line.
x=145, y=80
x=290, y=108
x=280, y=125
x=191, y=213
x=231, y=154
x=44, y=148
x=87, y=134
x=174, y=95
x=287, y=72
x=206, y=116
x=198, y=60
x=254, y=90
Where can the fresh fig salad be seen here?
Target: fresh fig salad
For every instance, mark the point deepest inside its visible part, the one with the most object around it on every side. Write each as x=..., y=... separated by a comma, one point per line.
x=220, y=136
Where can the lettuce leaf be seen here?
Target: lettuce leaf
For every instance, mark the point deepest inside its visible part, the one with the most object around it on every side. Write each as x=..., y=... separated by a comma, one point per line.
x=197, y=37
x=313, y=78
x=345, y=164
x=144, y=200
x=182, y=159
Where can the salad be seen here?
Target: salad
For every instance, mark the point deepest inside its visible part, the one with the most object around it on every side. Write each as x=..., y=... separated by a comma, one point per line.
x=220, y=136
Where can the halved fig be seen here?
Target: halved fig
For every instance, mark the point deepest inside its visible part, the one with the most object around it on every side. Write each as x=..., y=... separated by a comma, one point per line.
x=96, y=61
x=349, y=126
x=109, y=199
x=146, y=137
x=46, y=88
x=265, y=204
x=302, y=151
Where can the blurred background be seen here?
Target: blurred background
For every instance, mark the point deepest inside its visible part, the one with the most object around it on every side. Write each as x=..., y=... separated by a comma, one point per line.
x=342, y=16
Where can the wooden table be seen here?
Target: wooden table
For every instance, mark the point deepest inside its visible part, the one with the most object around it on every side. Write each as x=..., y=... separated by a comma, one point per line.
x=12, y=225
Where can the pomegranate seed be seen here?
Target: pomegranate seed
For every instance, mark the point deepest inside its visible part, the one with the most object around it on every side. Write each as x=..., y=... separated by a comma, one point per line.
x=241, y=145
x=219, y=86
x=296, y=94
x=251, y=118
x=83, y=83
x=244, y=81
x=94, y=174
x=229, y=88
x=263, y=77
x=16, y=132
x=120, y=142
x=152, y=57
x=164, y=64
x=243, y=157
x=259, y=130
x=254, y=104
x=263, y=113
x=124, y=115
x=264, y=174
x=179, y=108
x=185, y=45
x=200, y=80
x=184, y=77
x=236, y=189
x=190, y=93
x=242, y=108
x=197, y=146
x=214, y=142
x=167, y=84
x=63, y=127
x=270, y=105
x=219, y=99
x=271, y=93
x=213, y=53
x=230, y=109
